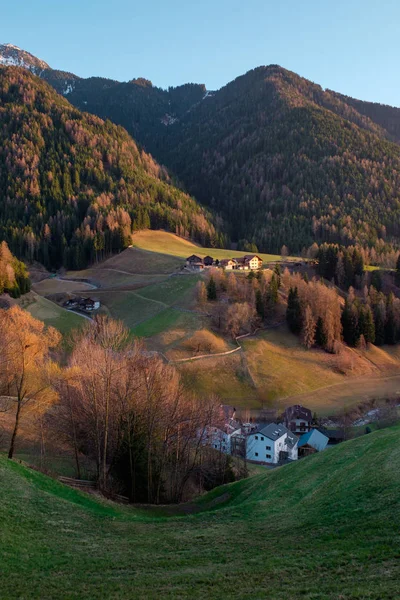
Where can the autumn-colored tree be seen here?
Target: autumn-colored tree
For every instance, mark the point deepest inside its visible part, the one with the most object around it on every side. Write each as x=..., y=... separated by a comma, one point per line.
x=201, y=293
x=25, y=364
x=308, y=330
x=96, y=357
x=240, y=318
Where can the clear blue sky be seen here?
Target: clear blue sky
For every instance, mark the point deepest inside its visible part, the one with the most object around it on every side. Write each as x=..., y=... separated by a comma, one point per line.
x=351, y=46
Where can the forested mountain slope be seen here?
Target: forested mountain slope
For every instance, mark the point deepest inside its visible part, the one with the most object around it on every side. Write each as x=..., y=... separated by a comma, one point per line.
x=73, y=187
x=280, y=159
x=288, y=163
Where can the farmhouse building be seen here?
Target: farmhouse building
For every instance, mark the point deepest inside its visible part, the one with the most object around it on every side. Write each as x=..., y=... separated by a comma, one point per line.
x=208, y=261
x=89, y=304
x=221, y=438
x=86, y=304
x=227, y=263
x=253, y=261
x=271, y=444
x=297, y=418
x=311, y=442
x=193, y=259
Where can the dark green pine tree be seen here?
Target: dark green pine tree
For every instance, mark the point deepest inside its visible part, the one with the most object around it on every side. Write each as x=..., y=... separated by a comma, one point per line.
x=379, y=321
x=320, y=335
x=211, y=289
x=294, y=316
x=366, y=324
x=358, y=263
x=272, y=292
x=398, y=271
x=277, y=273
x=260, y=306
x=390, y=324
x=351, y=332
x=376, y=280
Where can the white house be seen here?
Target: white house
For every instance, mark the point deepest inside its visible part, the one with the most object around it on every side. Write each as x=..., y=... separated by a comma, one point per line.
x=297, y=418
x=220, y=438
x=271, y=444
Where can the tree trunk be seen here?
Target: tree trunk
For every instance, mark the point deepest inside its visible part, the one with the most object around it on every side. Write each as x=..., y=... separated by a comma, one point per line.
x=14, y=434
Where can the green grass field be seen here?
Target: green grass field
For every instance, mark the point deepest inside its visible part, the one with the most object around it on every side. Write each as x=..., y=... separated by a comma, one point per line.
x=51, y=314
x=147, y=311
x=325, y=528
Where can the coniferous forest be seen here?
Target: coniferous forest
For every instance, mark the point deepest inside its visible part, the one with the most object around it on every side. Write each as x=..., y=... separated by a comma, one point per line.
x=73, y=187
x=278, y=158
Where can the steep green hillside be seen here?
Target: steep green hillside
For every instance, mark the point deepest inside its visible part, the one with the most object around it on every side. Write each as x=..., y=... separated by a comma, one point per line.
x=73, y=187
x=324, y=528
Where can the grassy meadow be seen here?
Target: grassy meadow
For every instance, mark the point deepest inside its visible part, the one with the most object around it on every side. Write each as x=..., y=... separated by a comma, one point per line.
x=144, y=286
x=172, y=245
x=324, y=528
x=51, y=314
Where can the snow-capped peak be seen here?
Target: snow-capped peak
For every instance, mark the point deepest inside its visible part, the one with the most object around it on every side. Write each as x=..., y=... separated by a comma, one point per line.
x=12, y=46
x=11, y=55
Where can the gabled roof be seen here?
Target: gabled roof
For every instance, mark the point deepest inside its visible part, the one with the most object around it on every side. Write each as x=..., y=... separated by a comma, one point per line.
x=250, y=256
x=315, y=439
x=274, y=432
x=194, y=257
x=298, y=412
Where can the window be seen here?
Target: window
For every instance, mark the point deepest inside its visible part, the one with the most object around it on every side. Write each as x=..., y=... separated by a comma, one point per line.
x=262, y=439
x=268, y=455
x=268, y=447
x=256, y=453
x=256, y=437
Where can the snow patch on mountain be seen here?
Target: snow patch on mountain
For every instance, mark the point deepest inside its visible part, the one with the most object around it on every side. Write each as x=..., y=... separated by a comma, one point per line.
x=208, y=95
x=12, y=56
x=68, y=88
x=168, y=120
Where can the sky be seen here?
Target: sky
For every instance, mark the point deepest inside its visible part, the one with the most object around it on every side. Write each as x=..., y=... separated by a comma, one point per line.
x=350, y=46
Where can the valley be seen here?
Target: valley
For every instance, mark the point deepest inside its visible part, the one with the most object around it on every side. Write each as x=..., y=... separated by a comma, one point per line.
x=151, y=293
x=199, y=315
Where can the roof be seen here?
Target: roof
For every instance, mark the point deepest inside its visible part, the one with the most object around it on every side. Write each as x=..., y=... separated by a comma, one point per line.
x=334, y=434
x=194, y=257
x=298, y=412
x=274, y=432
x=250, y=256
x=315, y=439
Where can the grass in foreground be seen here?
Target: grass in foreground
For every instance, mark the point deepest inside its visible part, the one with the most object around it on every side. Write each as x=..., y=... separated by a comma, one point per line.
x=324, y=528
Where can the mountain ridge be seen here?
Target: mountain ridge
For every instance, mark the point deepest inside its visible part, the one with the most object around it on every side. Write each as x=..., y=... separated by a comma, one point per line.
x=73, y=186
x=277, y=157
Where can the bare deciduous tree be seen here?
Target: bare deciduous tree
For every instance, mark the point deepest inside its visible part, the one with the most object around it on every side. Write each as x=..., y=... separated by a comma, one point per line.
x=25, y=363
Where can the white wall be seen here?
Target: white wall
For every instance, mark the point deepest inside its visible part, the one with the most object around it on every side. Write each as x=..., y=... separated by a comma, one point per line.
x=258, y=444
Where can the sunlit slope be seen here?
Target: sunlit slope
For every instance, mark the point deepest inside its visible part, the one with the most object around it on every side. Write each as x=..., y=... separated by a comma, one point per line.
x=167, y=243
x=326, y=527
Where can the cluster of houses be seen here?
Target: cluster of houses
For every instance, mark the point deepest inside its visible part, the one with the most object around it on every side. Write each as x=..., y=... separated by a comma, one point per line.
x=249, y=262
x=294, y=436
x=85, y=304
